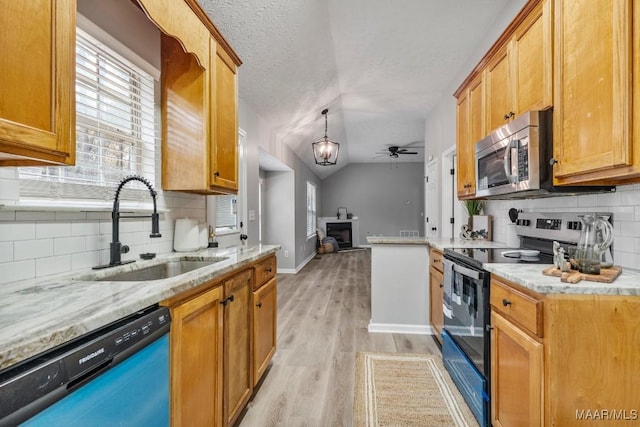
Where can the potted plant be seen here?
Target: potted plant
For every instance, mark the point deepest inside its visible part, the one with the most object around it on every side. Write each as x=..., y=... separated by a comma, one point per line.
x=478, y=226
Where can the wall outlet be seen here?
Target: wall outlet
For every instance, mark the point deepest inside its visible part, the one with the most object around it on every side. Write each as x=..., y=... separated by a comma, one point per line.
x=286, y=254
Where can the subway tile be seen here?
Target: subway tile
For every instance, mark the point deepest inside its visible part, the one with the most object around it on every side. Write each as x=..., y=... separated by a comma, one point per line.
x=45, y=230
x=99, y=216
x=9, y=173
x=71, y=216
x=97, y=242
x=609, y=199
x=6, y=251
x=69, y=245
x=53, y=265
x=17, y=270
x=29, y=249
x=625, y=243
x=86, y=259
x=7, y=215
x=85, y=228
x=34, y=216
x=11, y=231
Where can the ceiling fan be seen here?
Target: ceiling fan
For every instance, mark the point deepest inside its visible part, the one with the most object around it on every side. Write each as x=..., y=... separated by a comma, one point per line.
x=394, y=151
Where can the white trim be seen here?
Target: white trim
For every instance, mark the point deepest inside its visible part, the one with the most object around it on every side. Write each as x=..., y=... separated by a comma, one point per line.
x=298, y=268
x=396, y=328
x=113, y=43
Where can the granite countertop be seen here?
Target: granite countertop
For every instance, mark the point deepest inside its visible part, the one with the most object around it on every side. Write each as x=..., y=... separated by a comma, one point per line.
x=438, y=243
x=39, y=314
x=530, y=276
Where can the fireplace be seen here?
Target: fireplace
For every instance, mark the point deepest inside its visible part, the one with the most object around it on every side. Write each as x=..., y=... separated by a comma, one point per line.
x=341, y=231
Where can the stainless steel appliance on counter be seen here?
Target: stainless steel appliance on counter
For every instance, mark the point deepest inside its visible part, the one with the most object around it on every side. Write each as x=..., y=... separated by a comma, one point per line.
x=516, y=160
x=117, y=375
x=467, y=332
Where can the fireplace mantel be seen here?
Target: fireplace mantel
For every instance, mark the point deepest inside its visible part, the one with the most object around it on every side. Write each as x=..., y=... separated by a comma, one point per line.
x=355, y=227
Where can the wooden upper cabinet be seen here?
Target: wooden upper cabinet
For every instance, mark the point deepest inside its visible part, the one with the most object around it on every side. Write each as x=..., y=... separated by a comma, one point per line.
x=531, y=53
x=499, y=90
x=595, y=50
x=519, y=74
x=463, y=157
x=199, y=100
x=224, y=153
x=37, y=82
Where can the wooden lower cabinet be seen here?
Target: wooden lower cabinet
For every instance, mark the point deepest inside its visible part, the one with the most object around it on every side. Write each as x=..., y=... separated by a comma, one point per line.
x=563, y=359
x=238, y=324
x=517, y=375
x=265, y=311
x=196, y=360
x=436, y=284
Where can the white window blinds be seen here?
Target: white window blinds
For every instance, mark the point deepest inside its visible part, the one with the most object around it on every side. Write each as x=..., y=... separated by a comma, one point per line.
x=311, y=209
x=226, y=212
x=116, y=132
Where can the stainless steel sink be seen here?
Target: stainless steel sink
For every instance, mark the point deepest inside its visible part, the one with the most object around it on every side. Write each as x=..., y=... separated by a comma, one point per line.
x=160, y=271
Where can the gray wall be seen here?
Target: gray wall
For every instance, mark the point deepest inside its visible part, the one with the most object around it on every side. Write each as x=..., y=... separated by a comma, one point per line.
x=385, y=197
x=279, y=224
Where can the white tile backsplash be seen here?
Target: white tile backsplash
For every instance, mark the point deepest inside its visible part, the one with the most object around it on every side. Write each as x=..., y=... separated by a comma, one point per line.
x=624, y=204
x=40, y=243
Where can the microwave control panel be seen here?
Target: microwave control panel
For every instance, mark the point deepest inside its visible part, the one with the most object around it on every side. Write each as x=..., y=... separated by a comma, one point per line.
x=548, y=224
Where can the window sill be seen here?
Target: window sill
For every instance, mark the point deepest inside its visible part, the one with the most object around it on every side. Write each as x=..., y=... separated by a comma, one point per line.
x=77, y=206
x=227, y=232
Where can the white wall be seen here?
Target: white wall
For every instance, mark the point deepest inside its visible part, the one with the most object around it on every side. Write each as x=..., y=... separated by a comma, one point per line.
x=386, y=197
x=279, y=206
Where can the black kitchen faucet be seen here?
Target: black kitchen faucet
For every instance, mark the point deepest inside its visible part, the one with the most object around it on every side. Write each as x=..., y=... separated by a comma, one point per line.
x=116, y=249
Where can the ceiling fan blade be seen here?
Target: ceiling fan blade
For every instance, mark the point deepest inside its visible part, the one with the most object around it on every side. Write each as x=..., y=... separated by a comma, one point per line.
x=407, y=152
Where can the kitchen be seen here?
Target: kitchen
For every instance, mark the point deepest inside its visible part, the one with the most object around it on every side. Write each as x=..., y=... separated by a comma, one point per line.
x=89, y=237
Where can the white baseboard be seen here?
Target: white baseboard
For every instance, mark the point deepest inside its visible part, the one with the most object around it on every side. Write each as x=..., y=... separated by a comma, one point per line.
x=298, y=268
x=395, y=328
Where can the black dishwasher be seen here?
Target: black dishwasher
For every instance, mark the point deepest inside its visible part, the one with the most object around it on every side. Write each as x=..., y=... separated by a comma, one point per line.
x=116, y=375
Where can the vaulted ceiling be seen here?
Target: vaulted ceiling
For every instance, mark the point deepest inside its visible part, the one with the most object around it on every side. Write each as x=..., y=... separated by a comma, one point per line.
x=379, y=66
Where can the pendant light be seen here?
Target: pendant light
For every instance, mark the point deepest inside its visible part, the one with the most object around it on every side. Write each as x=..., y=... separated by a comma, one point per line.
x=325, y=151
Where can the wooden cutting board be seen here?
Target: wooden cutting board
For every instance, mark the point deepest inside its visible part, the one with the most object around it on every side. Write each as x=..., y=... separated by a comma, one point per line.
x=607, y=275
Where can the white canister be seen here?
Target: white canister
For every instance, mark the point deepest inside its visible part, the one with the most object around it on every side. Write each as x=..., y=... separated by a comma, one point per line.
x=186, y=235
x=204, y=235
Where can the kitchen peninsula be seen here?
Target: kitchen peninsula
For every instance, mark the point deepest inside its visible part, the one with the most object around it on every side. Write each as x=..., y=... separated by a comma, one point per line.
x=400, y=281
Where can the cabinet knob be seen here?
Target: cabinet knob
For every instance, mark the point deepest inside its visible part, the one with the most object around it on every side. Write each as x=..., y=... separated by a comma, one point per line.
x=506, y=302
x=227, y=300
x=441, y=285
x=552, y=161
x=506, y=117
x=216, y=173
x=231, y=298
x=268, y=269
x=259, y=305
x=488, y=328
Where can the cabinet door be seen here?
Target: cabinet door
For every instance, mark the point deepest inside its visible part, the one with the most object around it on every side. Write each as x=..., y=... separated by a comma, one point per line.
x=238, y=323
x=499, y=90
x=516, y=376
x=531, y=55
x=464, y=155
x=185, y=118
x=224, y=148
x=593, y=92
x=196, y=361
x=265, y=310
x=37, y=106
x=436, y=283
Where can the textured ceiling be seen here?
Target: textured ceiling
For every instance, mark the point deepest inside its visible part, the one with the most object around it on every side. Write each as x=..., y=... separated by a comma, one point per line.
x=378, y=65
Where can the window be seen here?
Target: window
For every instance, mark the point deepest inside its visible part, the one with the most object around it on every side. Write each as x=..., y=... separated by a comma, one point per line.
x=226, y=213
x=311, y=209
x=115, y=129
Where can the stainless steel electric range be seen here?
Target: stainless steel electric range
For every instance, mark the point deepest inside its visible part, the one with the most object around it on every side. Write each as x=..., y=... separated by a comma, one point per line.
x=466, y=332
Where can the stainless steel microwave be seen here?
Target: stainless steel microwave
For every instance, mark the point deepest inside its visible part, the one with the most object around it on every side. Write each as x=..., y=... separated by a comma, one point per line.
x=514, y=161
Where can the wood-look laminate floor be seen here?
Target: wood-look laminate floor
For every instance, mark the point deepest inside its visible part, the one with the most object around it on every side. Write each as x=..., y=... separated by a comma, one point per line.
x=323, y=313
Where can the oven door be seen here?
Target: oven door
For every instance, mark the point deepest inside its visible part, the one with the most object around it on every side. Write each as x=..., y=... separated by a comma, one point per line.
x=466, y=296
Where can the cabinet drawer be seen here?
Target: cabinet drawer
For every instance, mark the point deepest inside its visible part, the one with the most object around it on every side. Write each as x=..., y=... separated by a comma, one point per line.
x=436, y=259
x=518, y=306
x=264, y=270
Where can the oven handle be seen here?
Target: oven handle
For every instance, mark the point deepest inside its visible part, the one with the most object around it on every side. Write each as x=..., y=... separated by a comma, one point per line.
x=474, y=274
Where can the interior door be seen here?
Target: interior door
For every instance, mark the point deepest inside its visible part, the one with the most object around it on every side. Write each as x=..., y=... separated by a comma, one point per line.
x=431, y=200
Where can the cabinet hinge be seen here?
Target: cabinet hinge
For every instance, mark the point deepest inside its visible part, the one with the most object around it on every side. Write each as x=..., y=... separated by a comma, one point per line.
x=452, y=171
x=452, y=220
